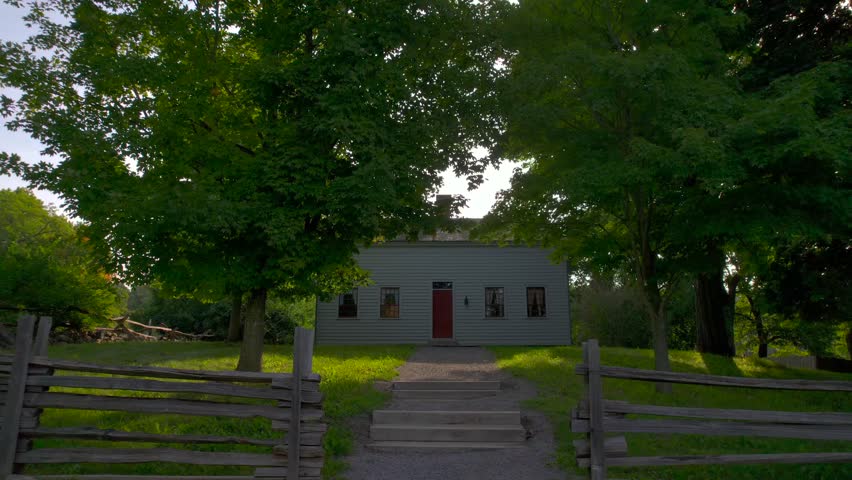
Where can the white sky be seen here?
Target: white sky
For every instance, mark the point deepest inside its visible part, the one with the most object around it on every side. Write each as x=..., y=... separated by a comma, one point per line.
x=12, y=28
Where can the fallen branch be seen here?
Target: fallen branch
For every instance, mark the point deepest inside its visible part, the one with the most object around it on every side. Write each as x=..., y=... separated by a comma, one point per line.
x=124, y=323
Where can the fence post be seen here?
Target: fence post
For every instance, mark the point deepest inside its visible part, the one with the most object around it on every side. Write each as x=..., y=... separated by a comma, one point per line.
x=15, y=394
x=594, y=387
x=42, y=336
x=40, y=345
x=303, y=353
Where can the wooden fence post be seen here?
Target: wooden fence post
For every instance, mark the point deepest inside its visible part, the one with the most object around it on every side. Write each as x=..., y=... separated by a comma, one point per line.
x=42, y=336
x=40, y=345
x=594, y=387
x=303, y=353
x=15, y=394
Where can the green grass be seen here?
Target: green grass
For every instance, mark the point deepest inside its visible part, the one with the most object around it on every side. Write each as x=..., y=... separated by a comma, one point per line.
x=552, y=370
x=348, y=373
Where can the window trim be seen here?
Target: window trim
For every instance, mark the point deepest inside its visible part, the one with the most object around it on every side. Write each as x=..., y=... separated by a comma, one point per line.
x=502, y=304
x=527, y=300
x=355, y=292
x=398, y=303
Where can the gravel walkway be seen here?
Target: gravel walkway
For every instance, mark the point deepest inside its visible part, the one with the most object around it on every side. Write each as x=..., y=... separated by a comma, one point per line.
x=460, y=363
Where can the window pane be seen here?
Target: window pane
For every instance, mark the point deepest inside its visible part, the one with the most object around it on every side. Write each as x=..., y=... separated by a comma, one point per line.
x=347, y=304
x=494, y=302
x=442, y=285
x=389, y=306
x=536, y=305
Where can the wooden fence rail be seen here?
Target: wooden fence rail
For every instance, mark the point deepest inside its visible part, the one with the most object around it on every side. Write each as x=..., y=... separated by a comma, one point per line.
x=597, y=417
x=295, y=407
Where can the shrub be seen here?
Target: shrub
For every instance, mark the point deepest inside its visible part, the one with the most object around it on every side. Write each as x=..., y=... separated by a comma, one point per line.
x=616, y=316
x=613, y=315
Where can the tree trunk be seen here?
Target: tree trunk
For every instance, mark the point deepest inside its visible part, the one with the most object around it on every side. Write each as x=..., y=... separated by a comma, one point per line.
x=712, y=305
x=251, y=350
x=234, y=326
x=762, y=334
x=762, y=337
x=661, y=349
x=849, y=343
x=646, y=263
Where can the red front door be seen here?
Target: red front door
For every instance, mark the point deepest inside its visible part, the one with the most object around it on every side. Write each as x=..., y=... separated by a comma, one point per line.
x=442, y=314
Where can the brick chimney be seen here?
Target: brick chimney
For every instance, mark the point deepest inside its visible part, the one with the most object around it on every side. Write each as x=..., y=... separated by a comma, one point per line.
x=444, y=204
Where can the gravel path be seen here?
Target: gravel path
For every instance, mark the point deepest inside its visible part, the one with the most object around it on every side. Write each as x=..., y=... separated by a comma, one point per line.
x=460, y=363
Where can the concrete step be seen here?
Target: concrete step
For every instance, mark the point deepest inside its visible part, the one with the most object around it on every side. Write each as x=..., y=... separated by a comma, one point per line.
x=443, y=394
x=439, y=446
x=443, y=342
x=444, y=417
x=446, y=385
x=448, y=433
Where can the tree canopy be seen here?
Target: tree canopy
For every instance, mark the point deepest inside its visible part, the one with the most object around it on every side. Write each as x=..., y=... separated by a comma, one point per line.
x=248, y=146
x=663, y=138
x=47, y=267
x=615, y=108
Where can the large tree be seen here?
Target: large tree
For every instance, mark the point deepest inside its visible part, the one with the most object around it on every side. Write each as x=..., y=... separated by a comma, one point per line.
x=786, y=166
x=260, y=143
x=614, y=107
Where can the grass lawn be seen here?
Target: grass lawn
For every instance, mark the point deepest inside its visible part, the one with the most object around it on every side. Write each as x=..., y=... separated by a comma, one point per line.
x=552, y=370
x=347, y=377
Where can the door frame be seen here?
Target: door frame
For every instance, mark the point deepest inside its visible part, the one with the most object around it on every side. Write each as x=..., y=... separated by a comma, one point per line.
x=452, y=309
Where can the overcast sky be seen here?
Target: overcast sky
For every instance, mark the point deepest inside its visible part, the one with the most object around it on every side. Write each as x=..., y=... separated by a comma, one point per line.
x=12, y=28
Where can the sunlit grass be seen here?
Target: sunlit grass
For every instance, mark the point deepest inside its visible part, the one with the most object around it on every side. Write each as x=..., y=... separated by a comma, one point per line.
x=552, y=370
x=348, y=373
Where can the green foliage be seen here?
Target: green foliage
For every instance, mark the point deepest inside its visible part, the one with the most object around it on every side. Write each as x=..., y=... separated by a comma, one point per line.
x=185, y=314
x=155, y=307
x=559, y=390
x=615, y=315
x=791, y=213
x=681, y=317
x=781, y=43
x=616, y=111
x=348, y=374
x=224, y=147
x=657, y=139
x=47, y=267
x=283, y=316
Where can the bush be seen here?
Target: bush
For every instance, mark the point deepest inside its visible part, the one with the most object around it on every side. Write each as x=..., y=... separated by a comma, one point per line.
x=613, y=315
x=616, y=316
x=148, y=305
x=283, y=316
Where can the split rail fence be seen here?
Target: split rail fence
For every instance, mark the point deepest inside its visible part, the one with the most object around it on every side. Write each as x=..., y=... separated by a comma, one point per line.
x=598, y=417
x=27, y=376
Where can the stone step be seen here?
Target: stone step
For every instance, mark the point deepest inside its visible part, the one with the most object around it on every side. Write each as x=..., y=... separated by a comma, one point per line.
x=446, y=385
x=448, y=433
x=443, y=394
x=445, y=417
x=390, y=445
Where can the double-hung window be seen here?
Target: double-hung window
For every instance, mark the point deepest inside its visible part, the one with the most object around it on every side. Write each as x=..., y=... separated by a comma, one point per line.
x=389, y=306
x=347, y=304
x=494, y=306
x=536, y=305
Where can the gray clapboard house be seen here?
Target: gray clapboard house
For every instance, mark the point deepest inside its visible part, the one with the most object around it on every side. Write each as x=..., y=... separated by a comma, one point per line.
x=447, y=289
